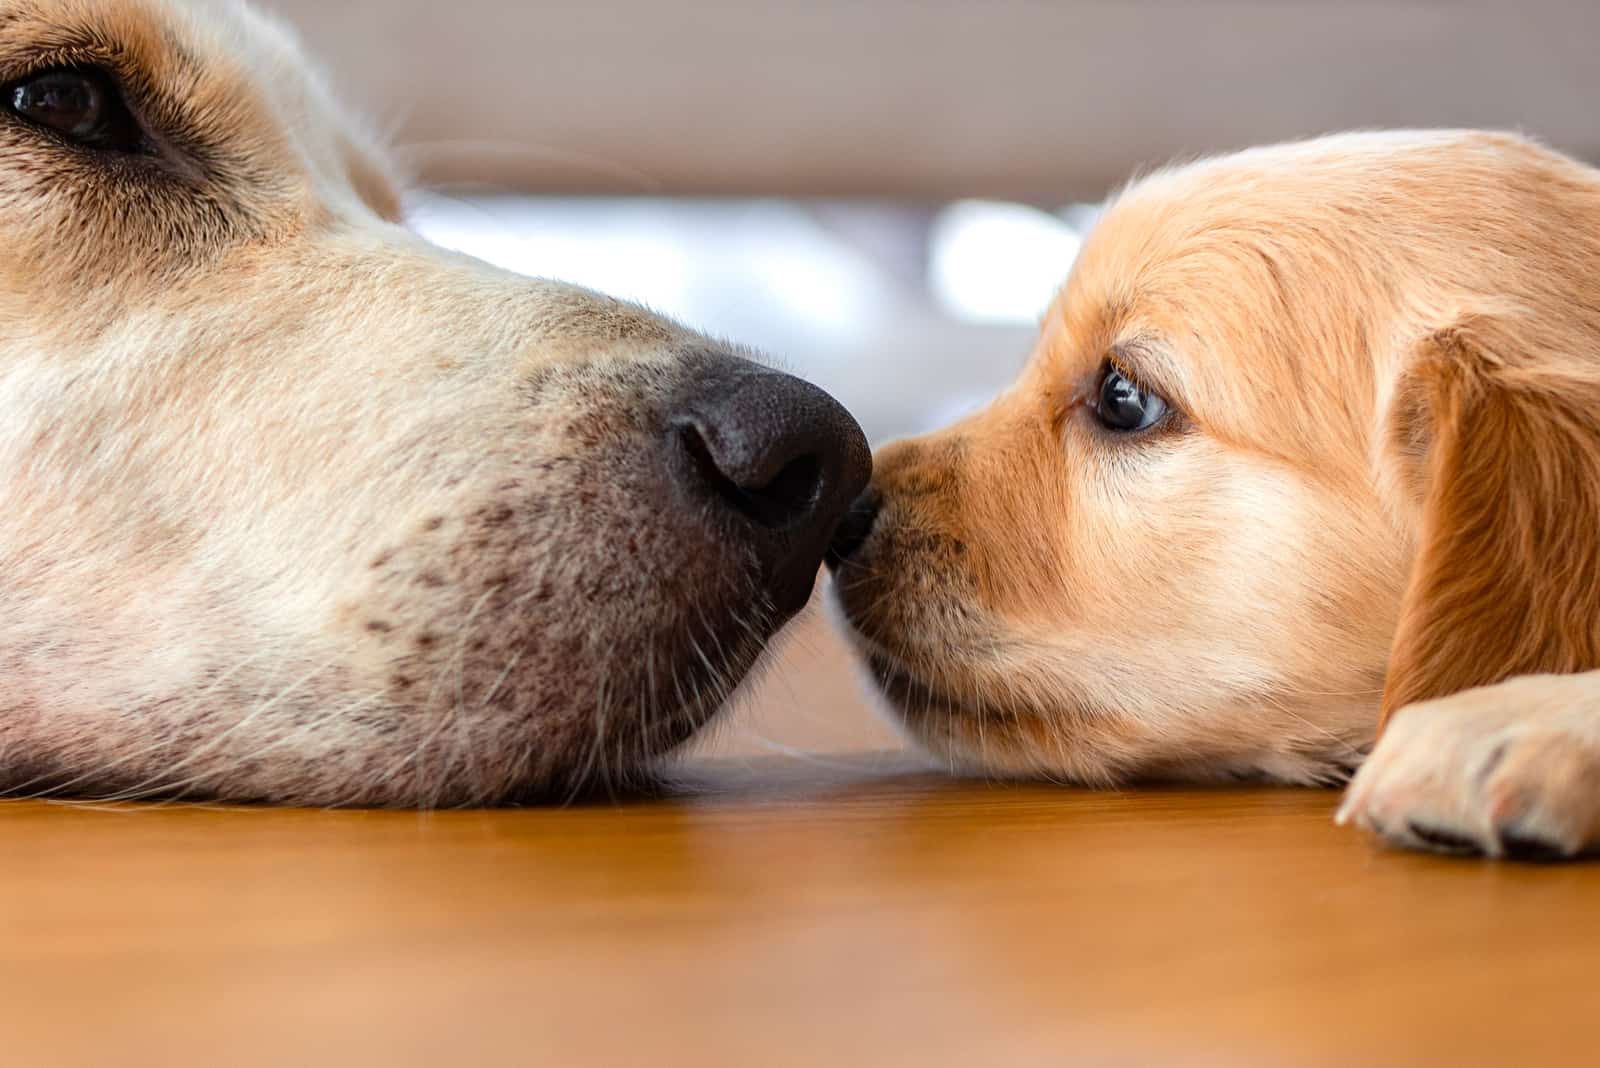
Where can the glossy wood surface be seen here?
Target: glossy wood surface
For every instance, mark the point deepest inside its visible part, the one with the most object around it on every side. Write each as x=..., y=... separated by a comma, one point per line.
x=835, y=910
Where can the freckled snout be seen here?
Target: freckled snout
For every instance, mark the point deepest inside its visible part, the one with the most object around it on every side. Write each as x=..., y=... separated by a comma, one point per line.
x=779, y=459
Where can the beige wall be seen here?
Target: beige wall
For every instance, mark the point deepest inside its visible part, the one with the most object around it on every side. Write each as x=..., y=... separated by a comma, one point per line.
x=1027, y=98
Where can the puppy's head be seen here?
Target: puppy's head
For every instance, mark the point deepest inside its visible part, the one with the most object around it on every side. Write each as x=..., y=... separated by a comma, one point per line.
x=293, y=506
x=1305, y=424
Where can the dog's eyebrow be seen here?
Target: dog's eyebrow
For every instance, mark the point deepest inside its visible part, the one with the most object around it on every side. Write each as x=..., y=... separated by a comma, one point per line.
x=146, y=56
x=154, y=68
x=1148, y=359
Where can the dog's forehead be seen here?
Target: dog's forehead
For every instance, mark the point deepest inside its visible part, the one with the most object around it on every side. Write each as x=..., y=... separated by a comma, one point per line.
x=219, y=59
x=170, y=40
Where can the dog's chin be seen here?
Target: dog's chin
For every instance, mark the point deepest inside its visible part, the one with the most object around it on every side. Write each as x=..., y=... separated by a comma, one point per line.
x=656, y=693
x=602, y=729
x=626, y=748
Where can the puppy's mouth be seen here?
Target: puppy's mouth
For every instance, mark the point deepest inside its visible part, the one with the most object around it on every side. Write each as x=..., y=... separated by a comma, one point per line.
x=917, y=699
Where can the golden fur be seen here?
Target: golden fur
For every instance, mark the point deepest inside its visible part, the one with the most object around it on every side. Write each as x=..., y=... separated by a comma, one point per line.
x=1379, y=488
x=296, y=507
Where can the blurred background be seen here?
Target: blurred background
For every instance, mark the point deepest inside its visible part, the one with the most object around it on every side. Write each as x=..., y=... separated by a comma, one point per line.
x=883, y=194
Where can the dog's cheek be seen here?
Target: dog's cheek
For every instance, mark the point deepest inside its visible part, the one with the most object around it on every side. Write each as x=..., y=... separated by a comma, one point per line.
x=554, y=624
x=475, y=627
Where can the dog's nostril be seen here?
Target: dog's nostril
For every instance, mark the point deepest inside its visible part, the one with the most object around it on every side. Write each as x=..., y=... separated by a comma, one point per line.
x=783, y=500
x=778, y=460
x=790, y=496
x=855, y=528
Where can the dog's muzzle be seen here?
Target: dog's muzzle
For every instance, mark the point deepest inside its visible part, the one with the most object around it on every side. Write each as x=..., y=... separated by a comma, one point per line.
x=778, y=458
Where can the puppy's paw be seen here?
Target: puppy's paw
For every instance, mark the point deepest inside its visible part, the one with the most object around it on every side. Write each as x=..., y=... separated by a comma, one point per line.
x=1510, y=771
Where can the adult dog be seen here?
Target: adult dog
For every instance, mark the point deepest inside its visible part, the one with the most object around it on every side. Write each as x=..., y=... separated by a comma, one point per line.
x=1311, y=438
x=295, y=507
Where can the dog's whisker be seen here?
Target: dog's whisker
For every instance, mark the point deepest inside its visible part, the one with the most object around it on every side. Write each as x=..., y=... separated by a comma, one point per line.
x=132, y=759
x=585, y=163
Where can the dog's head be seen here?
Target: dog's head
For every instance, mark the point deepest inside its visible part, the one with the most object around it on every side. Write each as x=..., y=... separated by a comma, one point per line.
x=294, y=506
x=1309, y=429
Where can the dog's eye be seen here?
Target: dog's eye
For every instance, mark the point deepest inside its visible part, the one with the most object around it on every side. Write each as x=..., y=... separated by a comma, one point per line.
x=83, y=106
x=1125, y=406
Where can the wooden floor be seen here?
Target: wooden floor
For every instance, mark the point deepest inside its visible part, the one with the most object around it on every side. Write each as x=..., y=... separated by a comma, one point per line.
x=844, y=910
x=784, y=910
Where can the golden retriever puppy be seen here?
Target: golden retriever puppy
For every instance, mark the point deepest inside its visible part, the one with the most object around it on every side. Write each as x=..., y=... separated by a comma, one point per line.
x=1310, y=440
x=295, y=507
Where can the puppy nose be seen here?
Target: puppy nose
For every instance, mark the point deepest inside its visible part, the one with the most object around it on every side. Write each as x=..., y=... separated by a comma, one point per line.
x=854, y=529
x=779, y=456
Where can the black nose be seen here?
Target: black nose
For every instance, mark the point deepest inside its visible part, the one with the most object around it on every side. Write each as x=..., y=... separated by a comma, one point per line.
x=779, y=457
x=854, y=529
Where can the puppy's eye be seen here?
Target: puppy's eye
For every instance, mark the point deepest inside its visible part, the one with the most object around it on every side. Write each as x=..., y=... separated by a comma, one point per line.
x=1124, y=406
x=83, y=106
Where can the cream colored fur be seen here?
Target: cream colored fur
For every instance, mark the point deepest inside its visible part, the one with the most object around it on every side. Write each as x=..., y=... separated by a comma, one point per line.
x=296, y=507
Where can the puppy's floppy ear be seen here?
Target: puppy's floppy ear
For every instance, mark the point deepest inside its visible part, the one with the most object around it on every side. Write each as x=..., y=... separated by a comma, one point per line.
x=1492, y=441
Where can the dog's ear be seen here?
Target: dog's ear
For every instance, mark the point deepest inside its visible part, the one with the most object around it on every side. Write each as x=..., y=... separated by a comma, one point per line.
x=1491, y=441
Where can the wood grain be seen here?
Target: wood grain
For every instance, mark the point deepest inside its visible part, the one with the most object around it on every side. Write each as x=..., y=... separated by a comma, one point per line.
x=844, y=910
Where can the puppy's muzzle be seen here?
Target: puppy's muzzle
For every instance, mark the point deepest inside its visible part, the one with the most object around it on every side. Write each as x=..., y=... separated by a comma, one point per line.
x=855, y=528
x=779, y=459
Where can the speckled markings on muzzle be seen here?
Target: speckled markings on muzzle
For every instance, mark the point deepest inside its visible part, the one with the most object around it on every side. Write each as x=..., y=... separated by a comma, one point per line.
x=295, y=507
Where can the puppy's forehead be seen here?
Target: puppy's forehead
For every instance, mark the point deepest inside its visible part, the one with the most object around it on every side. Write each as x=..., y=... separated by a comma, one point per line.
x=1249, y=288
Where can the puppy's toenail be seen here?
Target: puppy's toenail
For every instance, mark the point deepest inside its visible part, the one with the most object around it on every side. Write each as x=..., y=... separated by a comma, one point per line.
x=1440, y=839
x=1519, y=845
x=1492, y=762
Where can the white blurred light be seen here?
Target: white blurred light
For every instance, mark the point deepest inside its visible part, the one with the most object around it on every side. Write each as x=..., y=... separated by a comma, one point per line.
x=638, y=263
x=751, y=269
x=998, y=263
x=821, y=292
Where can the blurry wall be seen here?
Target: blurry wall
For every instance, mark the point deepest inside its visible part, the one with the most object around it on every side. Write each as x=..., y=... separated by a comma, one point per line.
x=1025, y=99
